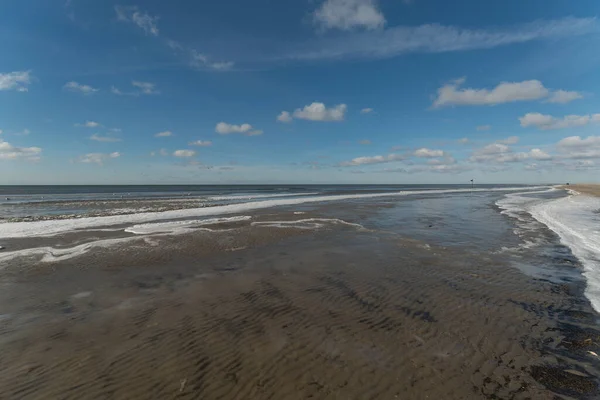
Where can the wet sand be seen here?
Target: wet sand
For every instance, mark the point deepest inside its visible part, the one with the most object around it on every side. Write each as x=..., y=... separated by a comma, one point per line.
x=590, y=189
x=284, y=313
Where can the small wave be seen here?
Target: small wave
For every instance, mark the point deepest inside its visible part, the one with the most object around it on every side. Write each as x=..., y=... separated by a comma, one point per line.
x=309, y=223
x=179, y=227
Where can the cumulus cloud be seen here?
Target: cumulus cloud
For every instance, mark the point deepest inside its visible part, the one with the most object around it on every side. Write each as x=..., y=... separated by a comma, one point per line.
x=436, y=38
x=184, y=153
x=428, y=153
x=98, y=158
x=373, y=160
x=164, y=134
x=10, y=152
x=484, y=128
x=500, y=153
x=315, y=112
x=284, y=117
x=564, y=96
x=577, y=147
x=366, y=111
x=89, y=124
x=17, y=80
x=349, y=14
x=224, y=128
x=142, y=19
x=547, y=122
x=79, y=88
x=201, y=143
x=452, y=94
x=107, y=139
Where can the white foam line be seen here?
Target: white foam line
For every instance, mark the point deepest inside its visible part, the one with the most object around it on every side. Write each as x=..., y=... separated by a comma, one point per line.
x=313, y=222
x=258, y=196
x=575, y=220
x=50, y=228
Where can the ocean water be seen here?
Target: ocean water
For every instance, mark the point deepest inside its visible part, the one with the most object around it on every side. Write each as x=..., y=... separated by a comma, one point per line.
x=549, y=233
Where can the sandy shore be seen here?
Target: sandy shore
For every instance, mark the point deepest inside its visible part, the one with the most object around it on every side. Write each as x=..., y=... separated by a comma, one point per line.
x=590, y=189
x=291, y=314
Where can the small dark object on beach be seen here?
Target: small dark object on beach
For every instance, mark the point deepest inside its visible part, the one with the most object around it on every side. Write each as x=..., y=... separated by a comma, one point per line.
x=8, y=198
x=431, y=226
x=1, y=247
x=567, y=183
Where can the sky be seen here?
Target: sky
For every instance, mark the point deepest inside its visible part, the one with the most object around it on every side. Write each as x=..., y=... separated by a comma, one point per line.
x=299, y=91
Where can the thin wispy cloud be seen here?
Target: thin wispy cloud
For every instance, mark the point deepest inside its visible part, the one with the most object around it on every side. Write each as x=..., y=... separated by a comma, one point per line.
x=17, y=80
x=88, y=124
x=107, y=139
x=164, y=134
x=436, y=38
x=141, y=19
x=201, y=143
x=349, y=14
x=98, y=158
x=76, y=87
x=140, y=88
x=184, y=153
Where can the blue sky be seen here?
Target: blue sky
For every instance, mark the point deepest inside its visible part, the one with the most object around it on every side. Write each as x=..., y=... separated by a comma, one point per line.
x=302, y=91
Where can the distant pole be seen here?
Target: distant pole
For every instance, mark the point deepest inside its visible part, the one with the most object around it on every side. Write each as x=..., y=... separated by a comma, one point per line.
x=472, y=184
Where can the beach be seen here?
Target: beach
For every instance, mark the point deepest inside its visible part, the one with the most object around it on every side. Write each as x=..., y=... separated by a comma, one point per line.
x=452, y=294
x=589, y=189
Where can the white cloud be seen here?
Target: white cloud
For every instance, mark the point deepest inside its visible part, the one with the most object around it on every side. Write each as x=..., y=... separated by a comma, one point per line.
x=538, y=154
x=17, y=80
x=201, y=143
x=509, y=140
x=79, y=88
x=141, y=88
x=436, y=38
x=163, y=152
x=224, y=128
x=464, y=140
x=107, y=139
x=184, y=153
x=164, y=134
x=366, y=111
x=484, y=128
x=142, y=19
x=451, y=94
x=564, y=96
x=284, y=117
x=364, y=142
x=316, y=112
x=577, y=147
x=10, y=152
x=24, y=132
x=349, y=14
x=199, y=60
x=546, y=122
x=145, y=87
x=98, y=158
x=500, y=153
x=89, y=124
x=428, y=153
x=373, y=160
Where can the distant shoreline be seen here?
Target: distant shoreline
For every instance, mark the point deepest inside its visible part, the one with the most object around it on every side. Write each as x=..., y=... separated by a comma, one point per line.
x=589, y=189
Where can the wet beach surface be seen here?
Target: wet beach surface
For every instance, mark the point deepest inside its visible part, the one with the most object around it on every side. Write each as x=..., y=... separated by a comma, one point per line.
x=420, y=299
